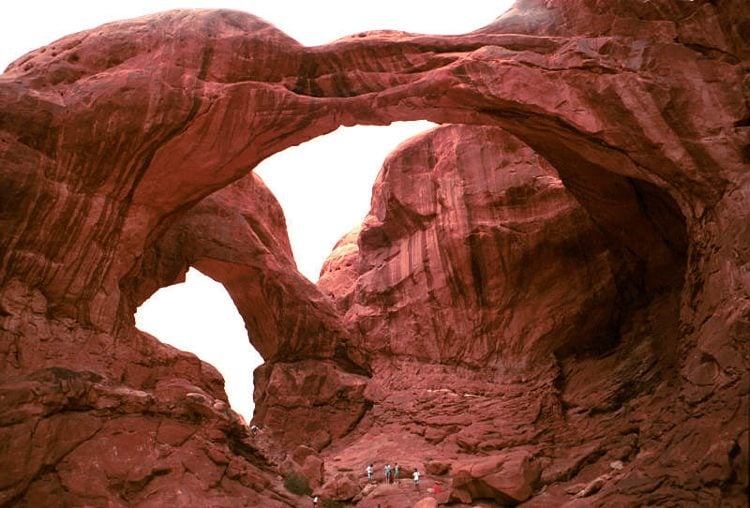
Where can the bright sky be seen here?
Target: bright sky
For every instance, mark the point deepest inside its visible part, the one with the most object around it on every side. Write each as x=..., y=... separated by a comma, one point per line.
x=324, y=185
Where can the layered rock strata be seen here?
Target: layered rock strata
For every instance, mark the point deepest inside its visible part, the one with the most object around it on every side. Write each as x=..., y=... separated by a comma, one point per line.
x=108, y=138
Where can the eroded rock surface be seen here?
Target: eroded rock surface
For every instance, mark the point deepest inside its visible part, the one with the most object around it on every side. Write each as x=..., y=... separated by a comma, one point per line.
x=543, y=409
x=475, y=253
x=237, y=236
x=110, y=138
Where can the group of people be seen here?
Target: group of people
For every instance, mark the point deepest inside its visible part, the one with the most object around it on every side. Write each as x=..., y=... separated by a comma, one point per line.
x=392, y=474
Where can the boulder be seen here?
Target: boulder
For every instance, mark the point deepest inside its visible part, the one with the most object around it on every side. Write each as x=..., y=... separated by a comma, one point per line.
x=508, y=478
x=341, y=487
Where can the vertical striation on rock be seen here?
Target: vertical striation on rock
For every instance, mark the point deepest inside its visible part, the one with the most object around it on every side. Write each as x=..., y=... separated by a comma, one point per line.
x=473, y=253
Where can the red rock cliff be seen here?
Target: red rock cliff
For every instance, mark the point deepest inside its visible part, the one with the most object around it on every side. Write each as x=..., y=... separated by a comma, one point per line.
x=109, y=138
x=474, y=253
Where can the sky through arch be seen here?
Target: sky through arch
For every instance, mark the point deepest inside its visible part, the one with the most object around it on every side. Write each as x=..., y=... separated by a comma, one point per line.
x=199, y=316
x=325, y=186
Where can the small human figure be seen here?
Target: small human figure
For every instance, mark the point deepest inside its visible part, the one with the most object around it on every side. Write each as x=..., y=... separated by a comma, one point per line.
x=387, y=471
x=370, y=472
x=415, y=476
x=437, y=488
x=254, y=430
x=315, y=501
x=396, y=472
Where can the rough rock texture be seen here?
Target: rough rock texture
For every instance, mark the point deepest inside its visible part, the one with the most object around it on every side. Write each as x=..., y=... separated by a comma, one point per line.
x=578, y=395
x=74, y=438
x=339, y=273
x=237, y=236
x=475, y=253
x=506, y=479
x=110, y=137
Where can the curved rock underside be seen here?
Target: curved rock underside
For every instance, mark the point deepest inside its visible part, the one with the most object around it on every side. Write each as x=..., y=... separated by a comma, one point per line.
x=546, y=303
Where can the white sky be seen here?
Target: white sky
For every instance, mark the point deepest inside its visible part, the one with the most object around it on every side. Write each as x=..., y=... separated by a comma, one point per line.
x=323, y=185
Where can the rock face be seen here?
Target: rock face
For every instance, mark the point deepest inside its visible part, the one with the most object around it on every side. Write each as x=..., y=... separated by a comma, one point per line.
x=475, y=253
x=482, y=314
x=472, y=245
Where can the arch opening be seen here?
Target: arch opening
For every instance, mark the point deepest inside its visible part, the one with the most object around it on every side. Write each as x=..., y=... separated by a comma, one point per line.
x=646, y=234
x=324, y=185
x=642, y=228
x=199, y=316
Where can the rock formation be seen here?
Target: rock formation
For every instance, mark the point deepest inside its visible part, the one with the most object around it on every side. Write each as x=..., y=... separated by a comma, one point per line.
x=478, y=281
x=562, y=311
x=474, y=254
x=237, y=236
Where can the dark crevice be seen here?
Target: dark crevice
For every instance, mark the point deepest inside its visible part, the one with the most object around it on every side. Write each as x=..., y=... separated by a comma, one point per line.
x=710, y=52
x=345, y=359
x=366, y=408
x=665, y=217
x=477, y=264
x=128, y=490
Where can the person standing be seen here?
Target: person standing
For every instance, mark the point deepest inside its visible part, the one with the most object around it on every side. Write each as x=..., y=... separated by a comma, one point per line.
x=370, y=472
x=396, y=472
x=315, y=501
x=387, y=471
x=415, y=477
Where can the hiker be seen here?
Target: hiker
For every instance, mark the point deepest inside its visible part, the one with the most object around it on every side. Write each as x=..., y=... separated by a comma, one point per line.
x=396, y=472
x=315, y=501
x=415, y=476
x=437, y=488
x=370, y=472
x=387, y=471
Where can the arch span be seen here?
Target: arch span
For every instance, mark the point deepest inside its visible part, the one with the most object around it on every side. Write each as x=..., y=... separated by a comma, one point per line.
x=584, y=117
x=238, y=237
x=110, y=140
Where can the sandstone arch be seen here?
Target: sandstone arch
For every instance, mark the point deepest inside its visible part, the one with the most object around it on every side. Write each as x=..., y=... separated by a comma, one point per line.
x=216, y=86
x=108, y=139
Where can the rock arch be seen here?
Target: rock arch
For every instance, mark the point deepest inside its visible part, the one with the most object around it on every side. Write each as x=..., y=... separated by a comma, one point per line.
x=107, y=140
x=217, y=85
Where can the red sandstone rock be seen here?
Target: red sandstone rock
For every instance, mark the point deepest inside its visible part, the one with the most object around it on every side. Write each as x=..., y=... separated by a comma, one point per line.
x=304, y=461
x=427, y=502
x=339, y=273
x=238, y=237
x=109, y=137
x=508, y=479
x=474, y=253
x=314, y=395
x=340, y=487
x=80, y=440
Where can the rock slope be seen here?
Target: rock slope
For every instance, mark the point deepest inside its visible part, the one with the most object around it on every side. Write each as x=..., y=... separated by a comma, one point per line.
x=114, y=141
